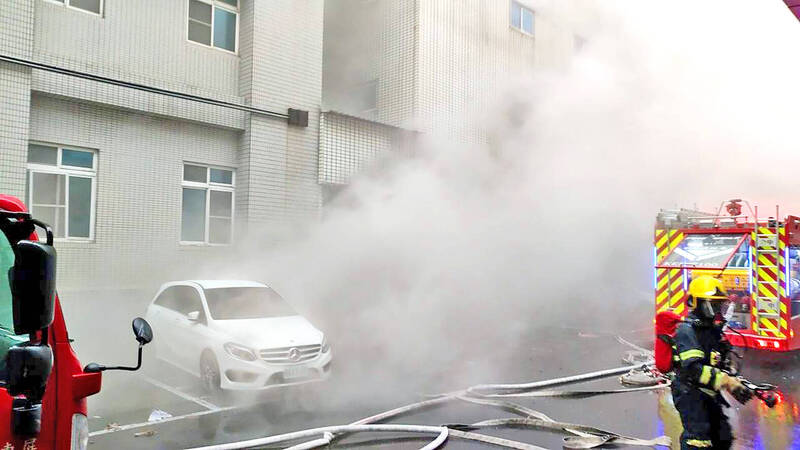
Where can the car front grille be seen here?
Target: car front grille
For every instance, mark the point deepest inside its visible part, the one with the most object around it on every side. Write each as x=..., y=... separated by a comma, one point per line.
x=283, y=355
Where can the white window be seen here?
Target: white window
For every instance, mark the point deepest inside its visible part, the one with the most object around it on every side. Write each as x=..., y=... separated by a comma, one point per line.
x=61, y=188
x=214, y=23
x=521, y=18
x=207, y=205
x=92, y=6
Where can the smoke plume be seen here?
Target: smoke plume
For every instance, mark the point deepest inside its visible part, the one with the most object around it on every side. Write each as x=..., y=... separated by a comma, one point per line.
x=433, y=267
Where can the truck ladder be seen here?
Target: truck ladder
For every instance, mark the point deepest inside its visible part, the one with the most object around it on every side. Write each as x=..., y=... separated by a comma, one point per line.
x=767, y=255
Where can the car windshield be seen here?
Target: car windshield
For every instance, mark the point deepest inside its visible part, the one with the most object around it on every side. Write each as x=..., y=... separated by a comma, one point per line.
x=246, y=303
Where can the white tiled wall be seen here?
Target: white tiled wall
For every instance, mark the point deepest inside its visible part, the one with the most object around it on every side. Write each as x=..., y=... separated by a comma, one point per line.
x=139, y=171
x=143, y=138
x=16, y=40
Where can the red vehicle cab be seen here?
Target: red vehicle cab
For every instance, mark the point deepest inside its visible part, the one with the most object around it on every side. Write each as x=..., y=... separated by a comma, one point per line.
x=43, y=389
x=757, y=259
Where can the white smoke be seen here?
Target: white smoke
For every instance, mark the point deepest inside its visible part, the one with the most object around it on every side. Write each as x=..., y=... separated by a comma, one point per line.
x=438, y=264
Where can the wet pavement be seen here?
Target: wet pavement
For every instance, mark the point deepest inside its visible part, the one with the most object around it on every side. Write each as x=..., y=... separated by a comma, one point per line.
x=641, y=414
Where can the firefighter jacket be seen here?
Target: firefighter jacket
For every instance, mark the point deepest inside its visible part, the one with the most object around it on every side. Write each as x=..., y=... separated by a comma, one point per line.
x=700, y=349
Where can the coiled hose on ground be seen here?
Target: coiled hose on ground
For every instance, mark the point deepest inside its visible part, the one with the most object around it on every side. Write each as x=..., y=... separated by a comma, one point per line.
x=584, y=436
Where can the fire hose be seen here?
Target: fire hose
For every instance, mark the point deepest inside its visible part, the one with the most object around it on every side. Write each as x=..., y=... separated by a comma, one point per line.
x=441, y=433
x=584, y=433
x=578, y=394
x=587, y=437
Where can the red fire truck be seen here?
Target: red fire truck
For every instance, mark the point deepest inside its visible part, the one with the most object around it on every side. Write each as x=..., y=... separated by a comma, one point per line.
x=758, y=260
x=43, y=389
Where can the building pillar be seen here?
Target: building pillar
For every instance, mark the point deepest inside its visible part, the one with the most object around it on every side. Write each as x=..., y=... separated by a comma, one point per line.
x=16, y=40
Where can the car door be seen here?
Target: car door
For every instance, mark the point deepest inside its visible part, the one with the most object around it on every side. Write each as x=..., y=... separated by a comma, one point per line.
x=162, y=315
x=189, y=335
x=204, y=337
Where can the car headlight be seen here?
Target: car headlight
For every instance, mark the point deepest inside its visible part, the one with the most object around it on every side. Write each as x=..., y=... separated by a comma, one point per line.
x=80, y=432
x=325, y=345
x=240, y=352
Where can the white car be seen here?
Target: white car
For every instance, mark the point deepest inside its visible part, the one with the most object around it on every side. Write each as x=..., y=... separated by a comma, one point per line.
x=236, y=335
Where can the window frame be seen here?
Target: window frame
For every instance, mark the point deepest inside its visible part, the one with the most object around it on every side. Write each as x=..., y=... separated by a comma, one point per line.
x=208, y=186
x=66, y=4
x=67, y=171
x=522, y=8
x=215, y=4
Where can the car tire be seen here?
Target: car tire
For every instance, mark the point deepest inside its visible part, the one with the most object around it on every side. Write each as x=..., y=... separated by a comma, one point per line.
x=209, y=373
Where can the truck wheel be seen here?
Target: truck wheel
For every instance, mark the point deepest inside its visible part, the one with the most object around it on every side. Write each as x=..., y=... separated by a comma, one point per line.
x=209, y=373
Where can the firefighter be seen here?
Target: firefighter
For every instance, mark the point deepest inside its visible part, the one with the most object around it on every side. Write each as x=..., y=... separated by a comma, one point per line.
x=702, y=354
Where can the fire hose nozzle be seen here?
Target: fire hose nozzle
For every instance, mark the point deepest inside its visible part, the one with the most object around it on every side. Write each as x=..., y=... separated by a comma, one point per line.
x=769, y=398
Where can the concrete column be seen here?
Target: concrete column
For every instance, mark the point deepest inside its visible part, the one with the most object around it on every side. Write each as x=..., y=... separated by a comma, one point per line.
x=16, y=39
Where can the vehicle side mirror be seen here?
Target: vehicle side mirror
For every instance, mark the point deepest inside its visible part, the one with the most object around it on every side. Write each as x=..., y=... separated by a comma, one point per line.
x=142, y=331
x=193, y=316
x=29, y=367
x=33, y=286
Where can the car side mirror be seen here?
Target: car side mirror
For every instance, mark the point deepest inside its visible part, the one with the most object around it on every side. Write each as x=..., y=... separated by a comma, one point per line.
x=142, y=331
x=33, y=286
x=193, y=316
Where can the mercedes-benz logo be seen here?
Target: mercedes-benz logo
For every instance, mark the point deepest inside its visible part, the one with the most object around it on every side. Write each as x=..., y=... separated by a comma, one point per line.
x=294, y=354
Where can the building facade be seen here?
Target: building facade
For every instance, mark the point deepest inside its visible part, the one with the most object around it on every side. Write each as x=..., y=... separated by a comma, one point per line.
x=155, y=135
x=136, y=182
x=427, y=66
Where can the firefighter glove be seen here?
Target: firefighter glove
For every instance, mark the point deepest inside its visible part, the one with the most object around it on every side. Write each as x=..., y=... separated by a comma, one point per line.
x=736, y=388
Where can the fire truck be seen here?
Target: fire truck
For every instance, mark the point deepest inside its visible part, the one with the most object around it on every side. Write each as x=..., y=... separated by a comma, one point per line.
x=43, y=389
x=757, y=259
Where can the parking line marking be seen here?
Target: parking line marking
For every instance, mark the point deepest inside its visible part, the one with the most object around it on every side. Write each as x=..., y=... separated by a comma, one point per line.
x=158, y=422
x=183, y=395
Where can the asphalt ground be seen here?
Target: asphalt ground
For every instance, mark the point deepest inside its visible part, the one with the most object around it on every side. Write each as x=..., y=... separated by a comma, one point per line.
x=543, y=353
x=640, y=414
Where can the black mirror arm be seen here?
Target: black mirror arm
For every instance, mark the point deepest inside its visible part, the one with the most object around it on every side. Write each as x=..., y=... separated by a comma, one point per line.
x=48, y=231
x=44, y=333
x=94, y=367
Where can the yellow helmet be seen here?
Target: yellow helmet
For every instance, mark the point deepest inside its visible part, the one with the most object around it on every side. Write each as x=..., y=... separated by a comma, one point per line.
x=708, y=287
x=707, y=296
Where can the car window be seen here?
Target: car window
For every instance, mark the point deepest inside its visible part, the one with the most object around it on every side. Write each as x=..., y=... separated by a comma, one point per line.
x=187, y=299
x=183, y=300
x=167, y=298
x=246, y=303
